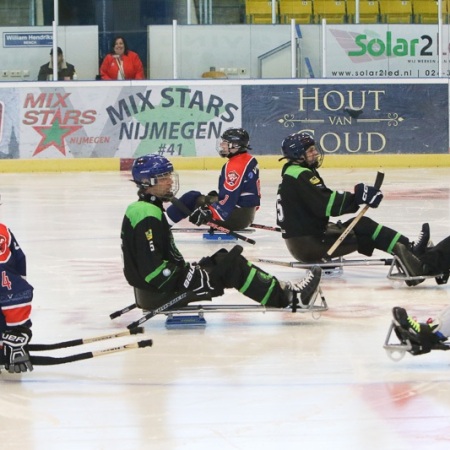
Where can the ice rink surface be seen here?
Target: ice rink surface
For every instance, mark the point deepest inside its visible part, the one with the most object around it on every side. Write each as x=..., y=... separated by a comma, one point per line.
x=245, y=381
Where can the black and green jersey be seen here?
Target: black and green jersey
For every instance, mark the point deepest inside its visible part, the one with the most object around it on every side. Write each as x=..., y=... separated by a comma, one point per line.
x=305, y=204
x=150, y=256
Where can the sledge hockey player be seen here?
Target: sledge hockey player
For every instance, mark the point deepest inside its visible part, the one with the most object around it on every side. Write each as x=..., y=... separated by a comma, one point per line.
x=423, y=337
x=305, y=205
x=238, y=199
x=16, y=295
x=152, y=262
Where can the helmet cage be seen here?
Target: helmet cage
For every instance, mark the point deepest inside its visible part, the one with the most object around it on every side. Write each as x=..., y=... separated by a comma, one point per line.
x=295, y=146
x=236, y=138
x=148, y=170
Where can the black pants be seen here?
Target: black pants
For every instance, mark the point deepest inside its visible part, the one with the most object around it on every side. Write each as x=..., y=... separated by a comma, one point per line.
x=437, y=258
x=366, y=236
x=227, y=270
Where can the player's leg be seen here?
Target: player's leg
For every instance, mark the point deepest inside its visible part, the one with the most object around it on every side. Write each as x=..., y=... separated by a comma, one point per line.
x=423, y=337
x=232, y=270
x=239, y=219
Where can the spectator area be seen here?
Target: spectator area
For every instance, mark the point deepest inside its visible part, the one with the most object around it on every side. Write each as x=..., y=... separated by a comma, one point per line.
x=344, y=11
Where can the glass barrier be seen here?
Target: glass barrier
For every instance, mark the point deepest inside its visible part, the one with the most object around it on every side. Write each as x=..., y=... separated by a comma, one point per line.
x=233, y=39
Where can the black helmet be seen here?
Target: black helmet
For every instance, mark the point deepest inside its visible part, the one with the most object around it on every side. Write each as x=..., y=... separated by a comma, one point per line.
x=295, y=145
x=236, y=140
x=238, y=137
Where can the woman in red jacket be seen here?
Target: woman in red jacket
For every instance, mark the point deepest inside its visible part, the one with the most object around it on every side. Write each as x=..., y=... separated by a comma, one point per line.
x=121, y=63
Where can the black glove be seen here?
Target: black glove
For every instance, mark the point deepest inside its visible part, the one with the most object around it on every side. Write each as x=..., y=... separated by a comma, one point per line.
x=368, y=194
x=200, y=216
x=16, y=356
x=196, y=279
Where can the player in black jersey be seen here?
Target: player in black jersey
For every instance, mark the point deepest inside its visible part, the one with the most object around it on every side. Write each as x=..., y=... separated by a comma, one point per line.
x=153, y=263
x=305, y=206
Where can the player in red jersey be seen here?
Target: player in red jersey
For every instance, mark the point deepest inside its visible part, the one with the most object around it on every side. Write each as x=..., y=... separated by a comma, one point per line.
x=238, y=198
x=16, y=295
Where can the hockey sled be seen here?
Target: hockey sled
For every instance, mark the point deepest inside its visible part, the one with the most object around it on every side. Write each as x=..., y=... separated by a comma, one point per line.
x=193, y=315
x=184, y=317
x=209, y=231
x=220, y=234
x=333, y=268
x=398, y=272
x=396, y=349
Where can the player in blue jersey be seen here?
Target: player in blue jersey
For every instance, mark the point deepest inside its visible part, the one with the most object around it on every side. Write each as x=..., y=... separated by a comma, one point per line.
x=235, y=204
x=16, y=295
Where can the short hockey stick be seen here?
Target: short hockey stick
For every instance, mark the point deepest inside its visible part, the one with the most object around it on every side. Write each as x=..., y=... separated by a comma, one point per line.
x=153, y=312
x=76, y=342
x=378, y=182
x=212, y=223
x=265, y=227
x=122, y=311
x=51, y=361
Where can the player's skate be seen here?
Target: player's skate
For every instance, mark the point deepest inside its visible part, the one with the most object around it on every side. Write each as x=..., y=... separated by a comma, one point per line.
x=423, y=241
x=410, y=264
x=422, y=337
x=304, y=292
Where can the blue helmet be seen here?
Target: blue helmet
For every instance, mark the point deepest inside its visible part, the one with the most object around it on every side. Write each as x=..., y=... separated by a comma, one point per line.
x=295, y=145
x=146, y=169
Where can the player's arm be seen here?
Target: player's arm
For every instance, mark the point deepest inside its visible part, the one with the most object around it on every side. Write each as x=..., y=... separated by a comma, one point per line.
x=323, y=201
x=153, y=265
x=231, y=186
x=16, y=357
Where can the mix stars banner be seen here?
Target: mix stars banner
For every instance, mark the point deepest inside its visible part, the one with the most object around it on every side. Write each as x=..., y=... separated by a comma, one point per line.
x=115, y=121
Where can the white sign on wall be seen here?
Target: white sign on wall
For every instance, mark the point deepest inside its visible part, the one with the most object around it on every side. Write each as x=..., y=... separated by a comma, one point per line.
x=363, y=51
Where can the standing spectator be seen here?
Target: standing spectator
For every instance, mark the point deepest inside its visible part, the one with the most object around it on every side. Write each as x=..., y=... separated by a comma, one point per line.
x=66, y=71
x=121, y=63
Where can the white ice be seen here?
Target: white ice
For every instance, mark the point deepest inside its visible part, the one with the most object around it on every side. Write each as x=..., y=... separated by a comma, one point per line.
x=247, y=380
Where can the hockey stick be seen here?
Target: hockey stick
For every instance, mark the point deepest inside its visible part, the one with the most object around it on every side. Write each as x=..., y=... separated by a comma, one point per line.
x=76, y=342
x=265, y=227
x=378, y=182
x=122, y=311
x=167, y=305
x=212, y=223
x=51, y=361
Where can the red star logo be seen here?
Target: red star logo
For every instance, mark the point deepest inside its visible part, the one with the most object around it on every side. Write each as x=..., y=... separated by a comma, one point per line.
x=54, y=135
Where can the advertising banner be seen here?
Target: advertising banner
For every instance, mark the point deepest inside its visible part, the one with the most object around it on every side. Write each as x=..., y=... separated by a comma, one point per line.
x=99, y=120
x=88, y=120
x=349, y=118
x=376, y=51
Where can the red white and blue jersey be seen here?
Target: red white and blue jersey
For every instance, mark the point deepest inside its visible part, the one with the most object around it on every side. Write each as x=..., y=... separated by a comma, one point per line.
x=15, y=291
x=238, y=186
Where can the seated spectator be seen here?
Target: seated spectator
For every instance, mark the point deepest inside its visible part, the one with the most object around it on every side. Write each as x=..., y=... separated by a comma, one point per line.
x=66, y=71
x=121, y=63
